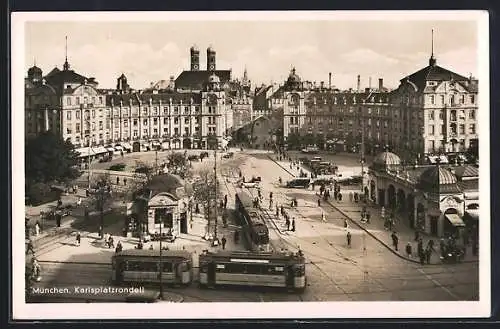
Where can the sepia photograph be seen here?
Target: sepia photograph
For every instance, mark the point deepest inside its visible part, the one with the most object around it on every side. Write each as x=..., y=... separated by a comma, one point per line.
x=250, y=165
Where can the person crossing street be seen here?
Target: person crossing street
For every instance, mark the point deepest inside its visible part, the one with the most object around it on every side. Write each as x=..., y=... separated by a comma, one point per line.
x=349, y=239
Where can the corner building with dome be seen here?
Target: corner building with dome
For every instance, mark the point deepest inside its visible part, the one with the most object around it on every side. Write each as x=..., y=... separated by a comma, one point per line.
x=438, y=200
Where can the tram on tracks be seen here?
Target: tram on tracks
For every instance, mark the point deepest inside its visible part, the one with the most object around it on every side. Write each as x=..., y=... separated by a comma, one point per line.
x=239, y=268
x=144, y=266
x=254, y=228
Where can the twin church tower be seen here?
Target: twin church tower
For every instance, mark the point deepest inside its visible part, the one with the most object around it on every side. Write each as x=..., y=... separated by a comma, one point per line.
x=195, y=59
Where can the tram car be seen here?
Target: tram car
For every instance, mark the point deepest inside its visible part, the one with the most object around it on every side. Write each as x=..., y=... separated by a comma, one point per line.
x=237, y=268
x=144, y=266
x=254, y=228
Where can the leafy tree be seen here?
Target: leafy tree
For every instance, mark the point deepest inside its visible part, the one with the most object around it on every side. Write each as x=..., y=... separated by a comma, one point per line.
x=204, y=192
x=178, y=163
x=212, y=142
x=49, y=158
x=101, y=198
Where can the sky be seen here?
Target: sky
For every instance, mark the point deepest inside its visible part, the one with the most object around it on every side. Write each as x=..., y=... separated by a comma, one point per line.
x=150, y=51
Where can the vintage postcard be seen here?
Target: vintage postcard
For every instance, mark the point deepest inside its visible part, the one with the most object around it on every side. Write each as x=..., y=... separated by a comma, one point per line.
x=250, y=165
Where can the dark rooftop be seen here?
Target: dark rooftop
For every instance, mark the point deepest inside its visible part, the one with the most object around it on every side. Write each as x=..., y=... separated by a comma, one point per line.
x=194, y=80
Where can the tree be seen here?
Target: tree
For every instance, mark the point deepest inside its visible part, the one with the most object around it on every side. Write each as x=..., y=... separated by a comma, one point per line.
x=204, y=192
x=178, y=163
x=101, y=198
x=49, y=158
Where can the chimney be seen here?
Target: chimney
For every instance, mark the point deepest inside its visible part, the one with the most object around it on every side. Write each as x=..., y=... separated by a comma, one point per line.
x=359, y=82
x=370, y=83
x=330, y=80
x=380, y=84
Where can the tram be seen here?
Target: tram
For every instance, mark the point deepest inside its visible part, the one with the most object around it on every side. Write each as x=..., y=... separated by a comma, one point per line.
x=255, y=230
x=143, y=266
x=239, y=268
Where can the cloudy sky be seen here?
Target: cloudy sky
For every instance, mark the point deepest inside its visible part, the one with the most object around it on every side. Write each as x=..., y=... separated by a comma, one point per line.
x=150, y=51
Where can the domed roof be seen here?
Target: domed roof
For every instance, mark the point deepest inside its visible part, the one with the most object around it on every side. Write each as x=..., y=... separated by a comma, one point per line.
x=437, y=175
x=213, y=79
x=293, y=77
x=34, y=69
x=387, y=159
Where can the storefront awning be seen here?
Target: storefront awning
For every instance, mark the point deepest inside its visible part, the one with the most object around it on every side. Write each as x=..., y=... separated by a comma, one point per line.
x=99, y=150
x=455, y=220
x=127, y=146
x=443, y=159
x=473, y=213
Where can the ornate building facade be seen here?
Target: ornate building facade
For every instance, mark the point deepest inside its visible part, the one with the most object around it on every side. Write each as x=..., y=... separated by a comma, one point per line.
x=193, y=111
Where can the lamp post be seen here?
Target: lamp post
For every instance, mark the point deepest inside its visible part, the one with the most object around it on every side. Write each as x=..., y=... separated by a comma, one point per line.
x=215, y=184
x=161, y=258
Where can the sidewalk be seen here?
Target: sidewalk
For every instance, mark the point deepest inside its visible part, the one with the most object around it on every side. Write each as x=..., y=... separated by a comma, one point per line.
x=376, y=229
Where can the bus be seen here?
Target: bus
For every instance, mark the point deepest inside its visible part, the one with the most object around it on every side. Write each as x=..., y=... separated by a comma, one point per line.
x=144, y=266
x=241, y=268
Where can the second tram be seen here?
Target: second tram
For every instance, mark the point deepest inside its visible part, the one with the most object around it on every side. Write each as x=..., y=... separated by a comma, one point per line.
x=280, y=270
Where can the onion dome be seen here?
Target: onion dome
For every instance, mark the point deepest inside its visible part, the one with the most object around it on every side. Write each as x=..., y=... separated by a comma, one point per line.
x=386, y=160
x=293, y=77
x=34, y=70
x=438, y=178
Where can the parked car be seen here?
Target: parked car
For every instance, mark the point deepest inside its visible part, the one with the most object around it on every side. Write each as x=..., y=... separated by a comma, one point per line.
x=228, y=155
x=255, y=179
x=249, y=184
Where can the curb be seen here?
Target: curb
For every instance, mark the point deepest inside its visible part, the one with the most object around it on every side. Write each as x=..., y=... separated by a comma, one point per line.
x=368, y=232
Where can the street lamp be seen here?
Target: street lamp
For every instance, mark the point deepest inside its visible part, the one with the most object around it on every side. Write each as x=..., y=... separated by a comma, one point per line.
x=161, y=257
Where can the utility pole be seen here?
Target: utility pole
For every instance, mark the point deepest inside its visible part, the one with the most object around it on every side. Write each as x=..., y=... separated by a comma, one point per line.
x=161, y=258
x=362, y=151
x=156, y=162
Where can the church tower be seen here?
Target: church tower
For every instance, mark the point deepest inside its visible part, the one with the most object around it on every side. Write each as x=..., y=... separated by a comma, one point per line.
x=195, y=58
x=210, y=59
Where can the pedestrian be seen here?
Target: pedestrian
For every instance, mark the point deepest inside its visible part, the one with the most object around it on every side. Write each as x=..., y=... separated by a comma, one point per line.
x=119, y=247
x=58, y=219
x=346, y=225
x=30, y=247
x=319, y=202
x=368, y=217
x=271, y=195
x=323, y=218
x=395, y=240
x=339, y=196
x=111, y=242
x=349, y=239
x=428, y=252
x=287, y=223
x=351, y=196
x=223, y=241
x=293, y=224
x=408, y=250
x=277, y=212
x=417, y=235
x=37, y=228
x=117, y=180
x=151, y=247
x=78, y=238
x=140, y=245
x=225, y=201
x=270, y=204
x=125, y=181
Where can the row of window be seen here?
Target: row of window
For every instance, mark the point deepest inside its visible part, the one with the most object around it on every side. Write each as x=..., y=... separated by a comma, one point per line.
x=453, y=129
x=85, y=100
x=453, y=114
x=69, y=131
x=452, y=99
x=92, y=114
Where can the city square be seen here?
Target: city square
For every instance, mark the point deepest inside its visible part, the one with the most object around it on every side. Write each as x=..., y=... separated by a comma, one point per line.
x=208, y=185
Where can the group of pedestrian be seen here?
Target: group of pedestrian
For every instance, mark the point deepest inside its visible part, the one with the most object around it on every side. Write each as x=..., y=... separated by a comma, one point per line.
x=365, y=216
x=108, y=240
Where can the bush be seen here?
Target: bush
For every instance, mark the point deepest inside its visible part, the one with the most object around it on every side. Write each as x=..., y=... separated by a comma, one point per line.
x=40, y=193
x=117, y=167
